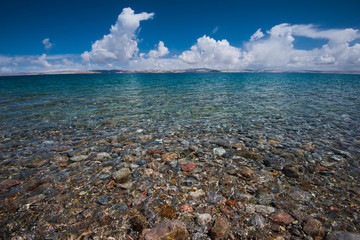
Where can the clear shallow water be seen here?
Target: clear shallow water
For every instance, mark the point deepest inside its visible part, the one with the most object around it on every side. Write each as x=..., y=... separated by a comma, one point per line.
x=267, y=101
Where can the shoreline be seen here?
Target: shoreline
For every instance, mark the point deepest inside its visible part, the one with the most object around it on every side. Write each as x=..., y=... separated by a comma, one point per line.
x=200, y=70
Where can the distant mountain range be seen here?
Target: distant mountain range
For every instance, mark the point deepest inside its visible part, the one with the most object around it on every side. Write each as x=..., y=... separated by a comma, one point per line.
x=189, y=70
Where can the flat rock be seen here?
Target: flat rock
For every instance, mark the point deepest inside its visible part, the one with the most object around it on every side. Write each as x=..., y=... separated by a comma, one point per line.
x=281, y=217
x=174, y=229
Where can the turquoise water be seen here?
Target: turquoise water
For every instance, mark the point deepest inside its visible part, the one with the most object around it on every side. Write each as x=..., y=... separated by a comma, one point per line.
x=270, y=102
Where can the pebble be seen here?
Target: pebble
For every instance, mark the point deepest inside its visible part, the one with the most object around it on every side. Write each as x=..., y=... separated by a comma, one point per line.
x=78, y=158
x=204, y=220
x=219, y=151
x=188, y=167
x=122, y=175
x=220, y=230
x=281, y=217
x=314, y=228
x=174, y=229
x=197, y=194
x=103, y=200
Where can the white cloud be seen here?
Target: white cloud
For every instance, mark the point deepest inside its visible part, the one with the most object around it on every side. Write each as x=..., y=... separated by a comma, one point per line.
x=257, y=35
x=207, y=52
x=120, y=44
x=41, y=61
x=160, y=51
x=47, y=43
x=277, y=51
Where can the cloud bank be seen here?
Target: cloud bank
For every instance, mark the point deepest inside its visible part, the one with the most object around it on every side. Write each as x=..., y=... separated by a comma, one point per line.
x=274, y=49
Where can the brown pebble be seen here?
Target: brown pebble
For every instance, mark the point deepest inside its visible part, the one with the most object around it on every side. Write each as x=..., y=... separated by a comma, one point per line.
x=188, y=167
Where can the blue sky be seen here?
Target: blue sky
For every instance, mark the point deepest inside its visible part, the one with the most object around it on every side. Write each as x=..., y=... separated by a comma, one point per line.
x=54, y=35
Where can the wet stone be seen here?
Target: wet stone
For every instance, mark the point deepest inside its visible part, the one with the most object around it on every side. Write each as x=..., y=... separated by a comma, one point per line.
x=314, y=228
x=122, y=175
x=174, y=229
x=104, y=176
x=103, y=200
x=213, y=197
x=258, y=221
x=78, y=158
x=220, y=230
x=291, y=171
x=281, y=217
x=188, y=167
x=219, y=151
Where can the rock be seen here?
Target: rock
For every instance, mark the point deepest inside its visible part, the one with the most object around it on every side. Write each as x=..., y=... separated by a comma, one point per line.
x=291, y=171
x=78, y=158
x=314, y=228
x=119, y=207
x=265, y=210
x=337, y=158
x=103, y=200
x=174, y=229
x=188, y=167
x=281, y=217
x=197, y=194
x=104, y=176
x=61, y=160
x=220, y=230
x=246, y=173
x=340, y=235
x=275, y=163
x=186, y=208
x=213, y=197
x=9, y=183
x=102, y=156
x=169, y=156
x=148, y=171
x=204, y=220
x=122, y=175
x=299, y=195
x=219, y=151
x=258, y=221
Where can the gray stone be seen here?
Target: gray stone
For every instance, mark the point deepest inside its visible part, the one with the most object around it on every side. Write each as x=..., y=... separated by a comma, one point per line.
x=103, y=200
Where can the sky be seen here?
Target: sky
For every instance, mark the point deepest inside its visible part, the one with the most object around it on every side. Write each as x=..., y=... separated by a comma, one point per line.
x=38, y=35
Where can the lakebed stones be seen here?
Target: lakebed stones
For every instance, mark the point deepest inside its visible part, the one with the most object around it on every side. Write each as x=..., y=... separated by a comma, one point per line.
x=125, y=185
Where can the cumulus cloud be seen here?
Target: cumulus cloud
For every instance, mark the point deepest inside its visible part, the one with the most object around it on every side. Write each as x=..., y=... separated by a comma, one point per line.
x=207, y=52
x=47, y=43
x=160, y=51
x=121, y=43
x=278, y=51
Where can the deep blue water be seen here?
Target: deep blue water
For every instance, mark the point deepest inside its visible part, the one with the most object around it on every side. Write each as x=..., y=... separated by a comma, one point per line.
x=265, y=101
